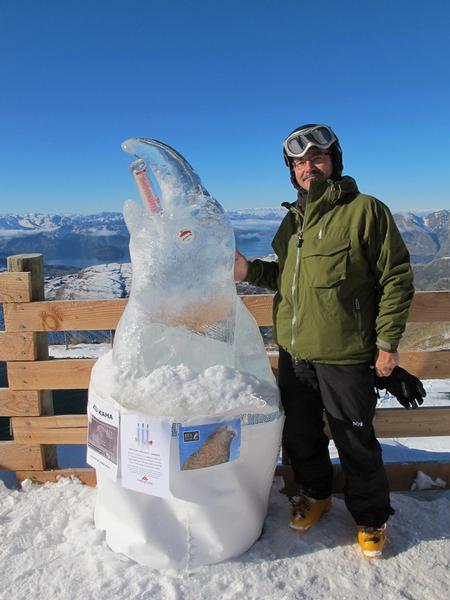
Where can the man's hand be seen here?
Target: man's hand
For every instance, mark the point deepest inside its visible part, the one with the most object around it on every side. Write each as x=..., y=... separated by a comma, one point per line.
x=240, y=266
x=386, y=363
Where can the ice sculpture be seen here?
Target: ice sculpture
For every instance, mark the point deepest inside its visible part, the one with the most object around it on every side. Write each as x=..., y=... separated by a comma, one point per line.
x=183, y=306
x=186, y=346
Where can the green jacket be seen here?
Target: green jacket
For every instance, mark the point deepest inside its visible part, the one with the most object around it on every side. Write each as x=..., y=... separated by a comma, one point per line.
x=343, y=279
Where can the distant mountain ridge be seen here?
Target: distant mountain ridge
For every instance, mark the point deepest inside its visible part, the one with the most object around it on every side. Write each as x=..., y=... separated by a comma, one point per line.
x=110, y=221
x=427, y=237
x=70, y=239
x=64, y=223
x=79, y=240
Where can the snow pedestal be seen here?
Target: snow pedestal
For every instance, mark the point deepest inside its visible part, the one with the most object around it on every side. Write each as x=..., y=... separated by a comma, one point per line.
x=211, y=514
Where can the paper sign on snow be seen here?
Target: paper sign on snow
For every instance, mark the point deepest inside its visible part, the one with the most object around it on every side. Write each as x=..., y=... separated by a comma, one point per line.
x=145, y=452
x=103, y=436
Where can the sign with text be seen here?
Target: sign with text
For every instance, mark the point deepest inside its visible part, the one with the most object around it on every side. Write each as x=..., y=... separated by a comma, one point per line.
x=103, y=436
x=145, y=453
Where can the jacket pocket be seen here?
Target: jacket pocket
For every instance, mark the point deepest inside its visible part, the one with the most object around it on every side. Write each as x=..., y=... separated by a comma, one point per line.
x=324, y=265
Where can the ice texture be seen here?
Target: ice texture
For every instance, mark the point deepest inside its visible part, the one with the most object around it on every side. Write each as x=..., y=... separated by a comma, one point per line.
x=183, y=307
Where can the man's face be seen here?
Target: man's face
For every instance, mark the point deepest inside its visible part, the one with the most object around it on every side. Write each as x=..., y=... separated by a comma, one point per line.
x=316, y=164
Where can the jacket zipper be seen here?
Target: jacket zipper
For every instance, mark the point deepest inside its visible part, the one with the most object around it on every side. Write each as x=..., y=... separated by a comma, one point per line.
x=294, y=296
x=294, y=284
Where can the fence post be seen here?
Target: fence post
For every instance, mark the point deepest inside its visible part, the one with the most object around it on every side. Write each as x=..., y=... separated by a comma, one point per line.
x=34, y=264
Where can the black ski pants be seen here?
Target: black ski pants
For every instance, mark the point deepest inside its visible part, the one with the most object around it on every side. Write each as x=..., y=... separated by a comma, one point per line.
x=346, y=394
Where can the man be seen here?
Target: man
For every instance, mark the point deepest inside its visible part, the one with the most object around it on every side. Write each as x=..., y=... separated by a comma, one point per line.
x=343, y=286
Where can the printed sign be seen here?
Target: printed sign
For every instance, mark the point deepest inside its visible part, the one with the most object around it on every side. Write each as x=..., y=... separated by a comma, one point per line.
x=204, y=446
x=145, y=452
x=103, y=436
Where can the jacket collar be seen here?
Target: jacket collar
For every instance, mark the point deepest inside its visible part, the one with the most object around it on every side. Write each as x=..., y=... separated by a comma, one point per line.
x=329, y=190
x=332, y=191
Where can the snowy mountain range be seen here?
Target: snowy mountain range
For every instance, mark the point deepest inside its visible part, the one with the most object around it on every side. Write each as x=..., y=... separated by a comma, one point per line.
x=82, y=240
x=77, y=240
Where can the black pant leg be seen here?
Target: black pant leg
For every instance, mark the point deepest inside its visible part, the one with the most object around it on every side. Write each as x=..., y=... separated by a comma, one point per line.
x=349, y=399
x=304, y=440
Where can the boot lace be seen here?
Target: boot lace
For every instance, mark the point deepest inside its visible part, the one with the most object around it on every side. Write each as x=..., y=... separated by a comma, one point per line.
x=301, y=505
x=375, y=533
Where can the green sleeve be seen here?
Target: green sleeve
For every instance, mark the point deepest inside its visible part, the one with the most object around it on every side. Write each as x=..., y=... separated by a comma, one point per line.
x=263, y=274
x=395, y=280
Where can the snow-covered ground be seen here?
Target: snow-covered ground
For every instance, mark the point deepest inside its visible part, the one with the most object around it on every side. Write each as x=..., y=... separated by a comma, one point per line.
x=51, y=550
x=111, y=280
x=78, y=350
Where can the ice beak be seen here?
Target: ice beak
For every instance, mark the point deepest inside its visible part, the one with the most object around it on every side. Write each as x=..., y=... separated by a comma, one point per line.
x=175, y=177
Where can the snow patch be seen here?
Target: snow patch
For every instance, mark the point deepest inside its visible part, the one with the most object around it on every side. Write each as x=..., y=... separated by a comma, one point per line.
x=425, y=482
x=51, y=549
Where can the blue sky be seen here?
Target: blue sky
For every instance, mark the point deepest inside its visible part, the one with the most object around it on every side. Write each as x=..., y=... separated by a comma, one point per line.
x=222, y=82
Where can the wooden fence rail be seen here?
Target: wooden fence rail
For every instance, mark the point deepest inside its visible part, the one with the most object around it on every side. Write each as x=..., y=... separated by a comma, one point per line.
x=32, y=375
x=88, y=315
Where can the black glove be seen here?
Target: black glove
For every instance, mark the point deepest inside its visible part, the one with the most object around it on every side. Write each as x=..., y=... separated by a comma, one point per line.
x=407, y=388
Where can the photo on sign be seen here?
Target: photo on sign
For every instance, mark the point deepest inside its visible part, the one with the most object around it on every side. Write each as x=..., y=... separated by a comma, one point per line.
x=204, y=446
x=102, y=437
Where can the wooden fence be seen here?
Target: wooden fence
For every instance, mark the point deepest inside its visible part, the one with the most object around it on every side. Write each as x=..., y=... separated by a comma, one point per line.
x=32, y=376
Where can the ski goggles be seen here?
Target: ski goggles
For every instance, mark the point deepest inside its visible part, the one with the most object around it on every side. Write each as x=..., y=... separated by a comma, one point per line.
x=298, y=143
